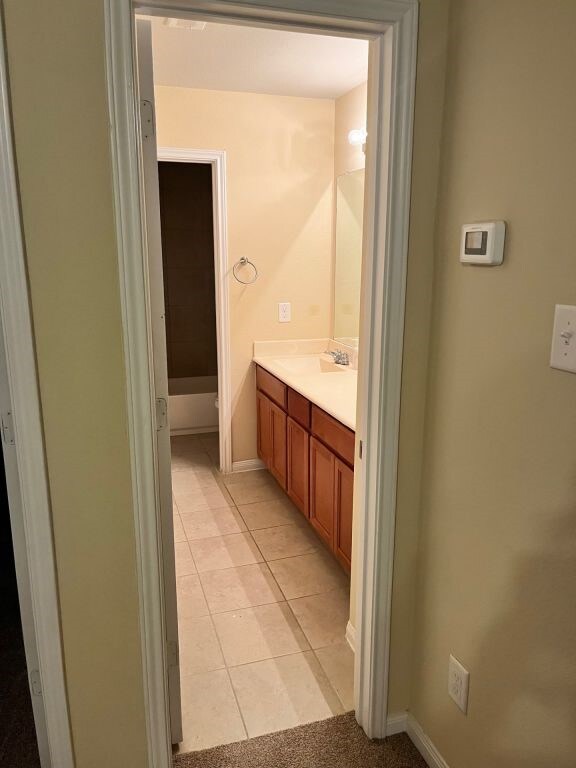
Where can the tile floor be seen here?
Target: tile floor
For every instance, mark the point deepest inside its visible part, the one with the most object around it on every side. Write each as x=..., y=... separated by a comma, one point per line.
x=262, y=606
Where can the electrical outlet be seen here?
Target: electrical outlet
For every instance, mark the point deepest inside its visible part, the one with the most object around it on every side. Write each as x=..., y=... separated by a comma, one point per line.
x=458, y=683
x=284, y=312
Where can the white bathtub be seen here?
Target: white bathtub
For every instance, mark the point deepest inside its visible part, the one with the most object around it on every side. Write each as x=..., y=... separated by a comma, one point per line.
x=192, y=405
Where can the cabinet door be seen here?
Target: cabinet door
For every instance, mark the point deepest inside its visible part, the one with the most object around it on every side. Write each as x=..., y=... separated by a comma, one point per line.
x=264, y=428
x=277, y=464
x=322, y=467
x=297, y=469
x=343, y=503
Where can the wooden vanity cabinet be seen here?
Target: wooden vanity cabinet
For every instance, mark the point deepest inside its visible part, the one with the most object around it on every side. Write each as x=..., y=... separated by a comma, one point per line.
x=311, y=455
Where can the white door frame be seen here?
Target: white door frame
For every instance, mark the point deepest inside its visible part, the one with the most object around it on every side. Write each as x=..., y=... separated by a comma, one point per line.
x=217, y=159
x=26, y=467
x=391, y=25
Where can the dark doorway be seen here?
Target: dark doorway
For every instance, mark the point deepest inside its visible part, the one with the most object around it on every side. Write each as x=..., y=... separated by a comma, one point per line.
x=186, y=216
x=18, y=746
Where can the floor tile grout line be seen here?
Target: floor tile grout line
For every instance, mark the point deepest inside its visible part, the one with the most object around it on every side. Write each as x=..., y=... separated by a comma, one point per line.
x=273, y=658
x=246, y=607
x=240, y=712
x=251, y=531
x=263, y=562
x=330, y=683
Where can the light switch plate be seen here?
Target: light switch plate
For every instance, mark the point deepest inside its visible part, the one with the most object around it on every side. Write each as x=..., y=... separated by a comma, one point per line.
x=563, y=354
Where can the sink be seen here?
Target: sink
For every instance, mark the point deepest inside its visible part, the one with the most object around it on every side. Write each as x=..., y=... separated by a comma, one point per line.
x=308, y=364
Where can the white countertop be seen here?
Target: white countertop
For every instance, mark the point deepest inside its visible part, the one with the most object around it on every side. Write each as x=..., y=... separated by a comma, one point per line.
x=334, y=392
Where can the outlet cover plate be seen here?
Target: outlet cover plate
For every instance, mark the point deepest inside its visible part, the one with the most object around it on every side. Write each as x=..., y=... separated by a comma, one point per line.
x=284, y=312
x=458, y=683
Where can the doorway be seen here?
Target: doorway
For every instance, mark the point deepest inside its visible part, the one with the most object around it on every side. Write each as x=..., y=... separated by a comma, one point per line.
x=18, y=744
x=248, y=623
x=187, y=231
x=210, y=411
x=391, y=84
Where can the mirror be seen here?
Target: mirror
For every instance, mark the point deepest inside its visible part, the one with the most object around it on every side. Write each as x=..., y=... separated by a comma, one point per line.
x=348, y=257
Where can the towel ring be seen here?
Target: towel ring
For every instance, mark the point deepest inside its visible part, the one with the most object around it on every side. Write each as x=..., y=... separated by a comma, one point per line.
x=242, y=263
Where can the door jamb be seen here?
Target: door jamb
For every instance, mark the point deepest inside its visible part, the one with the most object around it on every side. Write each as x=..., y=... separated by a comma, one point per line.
x=392, y=26
x=35, y=552
x=217, y=160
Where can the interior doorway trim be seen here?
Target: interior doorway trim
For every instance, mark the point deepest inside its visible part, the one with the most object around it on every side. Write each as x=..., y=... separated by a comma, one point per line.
x=217, y=159
x=391, y=26
x=26, y=470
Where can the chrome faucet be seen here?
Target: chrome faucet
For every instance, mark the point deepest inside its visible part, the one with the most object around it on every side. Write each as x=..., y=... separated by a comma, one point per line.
x=340, y=357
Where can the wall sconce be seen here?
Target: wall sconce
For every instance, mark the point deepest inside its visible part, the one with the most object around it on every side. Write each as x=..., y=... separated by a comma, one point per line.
x=357, y=138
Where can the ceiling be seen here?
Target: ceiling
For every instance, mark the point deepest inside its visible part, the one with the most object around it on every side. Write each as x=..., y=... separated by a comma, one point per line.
x=240, y=58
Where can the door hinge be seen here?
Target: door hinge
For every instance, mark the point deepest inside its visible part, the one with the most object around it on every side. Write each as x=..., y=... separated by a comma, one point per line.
x=7, y=428
x=147, y=119
x=173, y=654
x=360, y=449
x=35, y=683
x=161, y=413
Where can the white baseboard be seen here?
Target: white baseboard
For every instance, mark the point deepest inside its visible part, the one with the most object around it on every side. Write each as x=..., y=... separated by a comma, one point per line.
x=247, y=466
x=423, y=744
x=193, y=431
x=351, y=636
x=396, y=723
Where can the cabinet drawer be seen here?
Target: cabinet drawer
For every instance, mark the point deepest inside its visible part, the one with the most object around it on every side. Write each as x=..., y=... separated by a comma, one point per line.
x=335, y=435
x=271, y=386
x=299, y=408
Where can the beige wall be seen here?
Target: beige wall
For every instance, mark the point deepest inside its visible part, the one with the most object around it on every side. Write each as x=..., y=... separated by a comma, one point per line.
x=59, y=101
x=497, y=558
x=280, y=177
x=350, y=113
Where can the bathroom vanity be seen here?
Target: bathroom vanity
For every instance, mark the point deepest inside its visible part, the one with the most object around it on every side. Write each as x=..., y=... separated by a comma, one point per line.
x=309, y=450
x=306, y=401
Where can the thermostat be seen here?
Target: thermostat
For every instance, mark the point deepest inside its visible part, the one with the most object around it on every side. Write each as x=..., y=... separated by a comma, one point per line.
x=483, y=243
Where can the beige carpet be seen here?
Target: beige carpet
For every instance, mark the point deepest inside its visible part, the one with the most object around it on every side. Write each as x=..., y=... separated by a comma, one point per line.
x=335, y=743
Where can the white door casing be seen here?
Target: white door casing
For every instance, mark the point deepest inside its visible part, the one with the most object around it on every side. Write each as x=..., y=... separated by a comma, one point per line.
x=391, y=25
x=25, y=465
x=152, y=234
x=216, y=158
